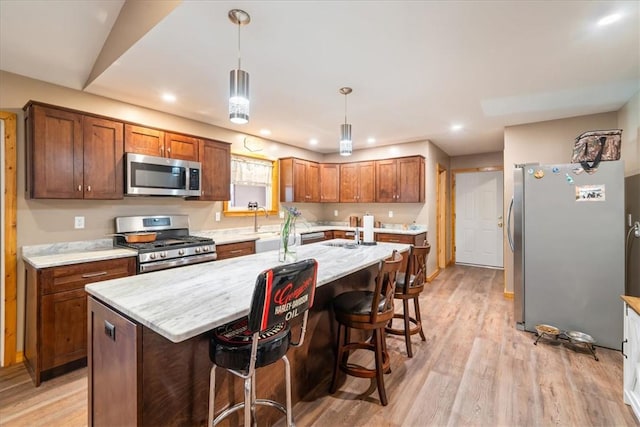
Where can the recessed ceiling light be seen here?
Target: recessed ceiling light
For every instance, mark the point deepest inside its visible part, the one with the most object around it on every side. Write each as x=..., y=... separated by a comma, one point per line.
x=169, y=97
x=313, y=141
x=371, y=140
x=609, y=19
x=265, y=132
x=456, y=127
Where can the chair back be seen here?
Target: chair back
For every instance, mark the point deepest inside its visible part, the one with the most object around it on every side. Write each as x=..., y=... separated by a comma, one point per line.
x=282, y=293
x=416, y=266
x=385, y=287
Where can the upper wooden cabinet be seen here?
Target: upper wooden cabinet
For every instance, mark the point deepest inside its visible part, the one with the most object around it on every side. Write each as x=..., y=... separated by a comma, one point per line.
x=71, y=155
x=400, y=180
x=299, y=180
x=216, y=170
x=357, y=182
x=155, y=142
x=329, y=182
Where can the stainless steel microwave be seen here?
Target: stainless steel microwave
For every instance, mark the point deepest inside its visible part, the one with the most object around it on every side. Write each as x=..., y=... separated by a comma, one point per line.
x=161, y=176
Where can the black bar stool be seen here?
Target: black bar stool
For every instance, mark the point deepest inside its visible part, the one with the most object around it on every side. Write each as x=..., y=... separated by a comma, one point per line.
x=264, y=336
x=409, y=285
x=367, y=310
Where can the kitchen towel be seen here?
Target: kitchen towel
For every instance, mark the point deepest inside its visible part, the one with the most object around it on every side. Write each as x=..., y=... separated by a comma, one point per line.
x=367, y=222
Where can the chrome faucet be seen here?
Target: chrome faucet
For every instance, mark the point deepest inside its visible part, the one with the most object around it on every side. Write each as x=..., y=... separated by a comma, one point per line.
x=253, y=206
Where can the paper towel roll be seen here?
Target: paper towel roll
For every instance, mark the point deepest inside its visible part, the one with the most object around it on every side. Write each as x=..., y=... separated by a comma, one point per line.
x=367, y=223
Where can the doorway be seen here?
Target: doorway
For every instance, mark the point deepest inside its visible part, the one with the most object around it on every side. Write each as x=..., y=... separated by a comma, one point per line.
x=441, y=219
x=478, y=218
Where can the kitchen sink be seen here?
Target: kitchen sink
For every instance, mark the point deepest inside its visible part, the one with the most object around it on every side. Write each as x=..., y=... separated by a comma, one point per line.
x=346, y=245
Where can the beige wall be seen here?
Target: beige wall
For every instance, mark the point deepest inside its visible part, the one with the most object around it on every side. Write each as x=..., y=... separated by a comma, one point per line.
x=629, y=122
x=544, y=142
x=475, y=161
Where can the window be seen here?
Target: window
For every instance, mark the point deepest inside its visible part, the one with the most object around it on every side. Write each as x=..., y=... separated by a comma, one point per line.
x=253, y=179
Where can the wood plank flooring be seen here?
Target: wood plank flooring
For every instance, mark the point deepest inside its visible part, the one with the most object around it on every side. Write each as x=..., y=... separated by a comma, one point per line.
x=475, y=368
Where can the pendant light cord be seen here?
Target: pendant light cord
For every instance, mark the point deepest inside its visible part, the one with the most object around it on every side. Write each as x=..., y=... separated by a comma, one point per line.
x=239, y=58
x=345, y=108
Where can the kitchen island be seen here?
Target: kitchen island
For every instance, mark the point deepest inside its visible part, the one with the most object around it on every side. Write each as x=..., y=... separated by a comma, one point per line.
x=149, y=341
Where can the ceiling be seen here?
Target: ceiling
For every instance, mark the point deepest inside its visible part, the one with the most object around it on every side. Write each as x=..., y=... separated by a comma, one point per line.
x=416, y=67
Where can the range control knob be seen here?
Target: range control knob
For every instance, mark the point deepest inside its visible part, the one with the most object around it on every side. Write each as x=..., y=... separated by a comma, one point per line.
x=163, y=254
x=205, y=249
x=152, y=256
x=180, y=251
x=197, y=250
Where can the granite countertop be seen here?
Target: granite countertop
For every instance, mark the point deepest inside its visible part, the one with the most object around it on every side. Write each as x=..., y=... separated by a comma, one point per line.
x=56, y=254
x=634, y=302
x=184, y=302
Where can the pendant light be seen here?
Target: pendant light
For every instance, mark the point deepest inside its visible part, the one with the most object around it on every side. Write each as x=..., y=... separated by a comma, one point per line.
x=346, y=145
x=239, y=79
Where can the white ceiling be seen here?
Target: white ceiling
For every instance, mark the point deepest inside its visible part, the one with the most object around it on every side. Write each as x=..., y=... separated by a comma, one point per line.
x=416, y=67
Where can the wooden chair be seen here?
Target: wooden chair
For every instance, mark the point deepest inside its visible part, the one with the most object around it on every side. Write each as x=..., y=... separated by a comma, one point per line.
x=264, y=336
x=371, y=311
x=409, y=285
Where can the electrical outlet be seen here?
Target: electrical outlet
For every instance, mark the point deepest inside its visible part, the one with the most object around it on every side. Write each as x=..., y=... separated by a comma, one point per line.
x=335, y=212
x=78, y=222
x=390, y=214
x=281, y=214
x=218, y=216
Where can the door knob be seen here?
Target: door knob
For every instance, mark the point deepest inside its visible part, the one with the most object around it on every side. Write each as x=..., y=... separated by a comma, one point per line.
x=500, y=224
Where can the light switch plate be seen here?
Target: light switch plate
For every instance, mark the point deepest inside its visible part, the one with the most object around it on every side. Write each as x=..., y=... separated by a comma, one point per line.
x=217, y=216
x=78, y=222
x=390, y=214
x=335, y=212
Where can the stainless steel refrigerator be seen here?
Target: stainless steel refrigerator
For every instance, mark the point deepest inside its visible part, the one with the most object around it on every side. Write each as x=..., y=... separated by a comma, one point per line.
x=568, y=244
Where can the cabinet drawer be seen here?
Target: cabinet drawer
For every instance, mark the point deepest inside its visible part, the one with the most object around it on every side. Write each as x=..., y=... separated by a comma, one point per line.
x=70, y=277
x=394, y=238
x=232, y=250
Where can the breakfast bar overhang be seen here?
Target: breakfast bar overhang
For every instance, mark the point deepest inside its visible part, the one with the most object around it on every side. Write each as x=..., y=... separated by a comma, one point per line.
x=148, y=337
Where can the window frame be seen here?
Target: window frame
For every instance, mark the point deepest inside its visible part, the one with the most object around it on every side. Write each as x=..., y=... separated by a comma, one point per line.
x=275, y=191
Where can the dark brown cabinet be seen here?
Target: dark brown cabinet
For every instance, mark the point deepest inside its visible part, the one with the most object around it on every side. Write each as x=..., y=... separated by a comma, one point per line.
x=299, y=180
x=232, y=250
x=56, y=313
x=329, y=182
x=156, y=142
x=216, y=170
x=71, y=155
x=418, y=239
x=357, y=182
x=400, y=180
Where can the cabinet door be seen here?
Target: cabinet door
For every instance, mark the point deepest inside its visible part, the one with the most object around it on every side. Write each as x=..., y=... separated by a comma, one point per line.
x=181, y=147
x=367, y=182
x=329, y=183
x=299, y=180
x=141, y=140
x=54, y=153
x=386, y=171
x=103, y=152
x=216, y=170
x=410, y=180
x=349, y=182
x=312, y=177
x=64, y=328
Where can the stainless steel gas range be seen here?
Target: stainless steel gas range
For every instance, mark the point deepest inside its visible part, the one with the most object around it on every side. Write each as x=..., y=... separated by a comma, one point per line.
x=172, y=247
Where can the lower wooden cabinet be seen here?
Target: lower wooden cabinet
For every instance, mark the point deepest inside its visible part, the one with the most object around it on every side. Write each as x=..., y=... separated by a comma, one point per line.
x=55, y=338
x=232, y=250
x=417, y=240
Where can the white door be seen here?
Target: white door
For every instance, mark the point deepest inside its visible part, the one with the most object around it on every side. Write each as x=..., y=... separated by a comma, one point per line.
x=479, y=219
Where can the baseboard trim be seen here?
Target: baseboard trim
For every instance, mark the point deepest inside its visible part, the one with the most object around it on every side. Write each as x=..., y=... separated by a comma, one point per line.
x=19, y=357
x=433, y=275
x=508, y=295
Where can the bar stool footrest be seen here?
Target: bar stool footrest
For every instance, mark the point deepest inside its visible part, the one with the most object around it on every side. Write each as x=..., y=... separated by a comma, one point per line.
x=396, y=331
x=264, y=402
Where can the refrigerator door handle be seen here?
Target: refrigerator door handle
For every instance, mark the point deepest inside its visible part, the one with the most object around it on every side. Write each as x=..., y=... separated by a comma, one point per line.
x=509, y=236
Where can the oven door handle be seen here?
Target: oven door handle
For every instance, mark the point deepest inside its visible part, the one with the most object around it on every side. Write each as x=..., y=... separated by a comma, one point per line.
x=162, y=265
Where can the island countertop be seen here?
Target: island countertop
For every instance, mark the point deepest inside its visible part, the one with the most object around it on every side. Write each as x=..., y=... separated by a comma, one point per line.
x=183, y=302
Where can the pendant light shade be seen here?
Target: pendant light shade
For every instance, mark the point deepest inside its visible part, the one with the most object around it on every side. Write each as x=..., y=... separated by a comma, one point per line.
x=238, y=78
x=239, y=96
x=346, y=145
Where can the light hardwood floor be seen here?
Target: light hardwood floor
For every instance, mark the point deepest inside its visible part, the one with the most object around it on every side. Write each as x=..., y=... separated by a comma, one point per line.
x=475, y=368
